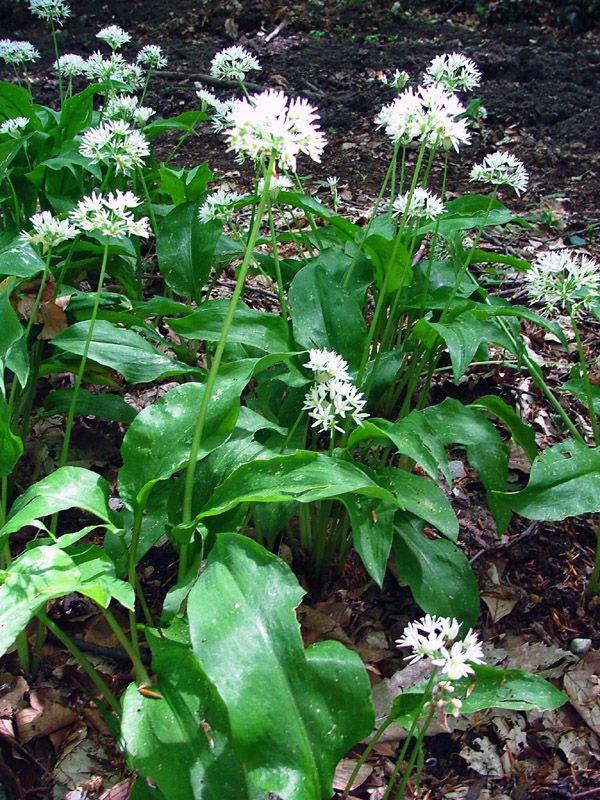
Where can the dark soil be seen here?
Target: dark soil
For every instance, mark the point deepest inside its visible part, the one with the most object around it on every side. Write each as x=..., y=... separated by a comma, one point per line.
x=540, y=88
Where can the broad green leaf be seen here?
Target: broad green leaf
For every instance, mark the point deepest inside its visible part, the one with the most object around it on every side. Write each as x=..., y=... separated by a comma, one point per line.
x=182, y=740
x=577, y=387
x=288, y=707
x=97, y=576
x=389, y=258
x=424, y=499
x=68, y=487
x=107, y=406
x=491, y=257
x=158, y=441
x=469, y=211
x=305, y=476
x=564, y=482
x=488, y=687
x=249, y=327
x=13, y=347
x=15, y=101
x=438, y=573
x=122, y=350
x=185, y=249
x=522, y=433
x=372, y=533
x=20, y=260
x=462, y=335
x=182, y=122
x=11, y=446
x=324, y=315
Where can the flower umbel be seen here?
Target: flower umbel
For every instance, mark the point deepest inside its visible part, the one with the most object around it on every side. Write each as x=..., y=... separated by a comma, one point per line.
x=115, y=142
x=49, y=230
x=14, y=52
x=51, y=10
x=71, y=64
x=114, y=36
x=453, y=71
x=422, y=204
x=151, y=55
x=110, y=215
x=219, y=205
x=436, y=638
x=272, y=123
x=501, y=169
x=233, y=63
x=14, y=126
x=114, y=68
x=564, y=281
x=333, y=396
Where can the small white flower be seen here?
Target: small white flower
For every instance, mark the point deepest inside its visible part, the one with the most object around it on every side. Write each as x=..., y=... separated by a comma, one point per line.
x=15, y=52
x=219, y=205
x=71, y=64
x=233, y=63
x=402, y=118
x=14, y=126
x=151, y=55
x=440, y=123
x=127, y=107
x=501, y=169
x=564, y=281
x=114, y=36
x=115, y=142
x=49, y=230
x=423, y=204
x=278, y=183
x=221, y=108
x=110, y=215
x=435, y=638
x=51, y=10
x=327, y=365
x=453, y=71
x=270, y=123
x=114, y=67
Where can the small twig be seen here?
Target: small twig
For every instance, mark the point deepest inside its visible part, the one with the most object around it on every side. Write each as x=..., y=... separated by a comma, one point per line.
x=112, y=653
x=503, y=545
x=276, y=31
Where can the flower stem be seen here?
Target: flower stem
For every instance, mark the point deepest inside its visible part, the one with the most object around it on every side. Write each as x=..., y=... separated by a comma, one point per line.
x=586, y=378
x=216, y=363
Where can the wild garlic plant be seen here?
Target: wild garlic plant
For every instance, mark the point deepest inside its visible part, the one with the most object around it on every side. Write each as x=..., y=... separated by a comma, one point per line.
x=298, y=425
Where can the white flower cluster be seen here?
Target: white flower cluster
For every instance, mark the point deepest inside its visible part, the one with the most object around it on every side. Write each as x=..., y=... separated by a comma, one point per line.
x=50, y=10
x=15, y=52
x=501, y=169
x=114, y=36
x=221, y=108
x=270, y=123
x=233, y=63
x=453, y=71
x=333, y=396
x=423, y=204
x=49, y=230
x=110, y=215
x=278, y=183
x=431, y=115
x=14, y=127
x=71, y=64
x=115, y=142
x=152, y=56
x=219, y=205
x=127, y=107
x=564, y=281
x=436, y=638
x=113, y=68
x=398, y=80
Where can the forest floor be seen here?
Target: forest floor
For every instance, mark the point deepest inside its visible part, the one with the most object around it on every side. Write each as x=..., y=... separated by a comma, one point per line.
x=540, y=86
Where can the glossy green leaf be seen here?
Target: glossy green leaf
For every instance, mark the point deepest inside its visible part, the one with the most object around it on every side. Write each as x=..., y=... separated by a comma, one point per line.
x=68, y=487
x=288, y=707
x=462, y=336
x=438, y=573
x=250, y=327
x=13, y=348
x=158, y=441
x=181, y=740
x=185, y=249
x=11, y=445
x=488, y=687
x=122, y=350
x=522, y=433
x=106, y=406
x=15, y=101
x=564, y=482
x=372, y=533
x=424, y=499
x=182, y=122
x=324, y=315
x=469, y=211
x=20, y=260
x=389, y=257
x=305, y=476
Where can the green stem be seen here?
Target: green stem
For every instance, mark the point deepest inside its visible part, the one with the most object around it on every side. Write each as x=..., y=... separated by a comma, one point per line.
x=216, y=363
x=280, y=293
x=593, y=587
x=98, y=682
x=153, y=224
x=586, y=378
x=55, y=40
x=141, y=673
x=367, y=752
